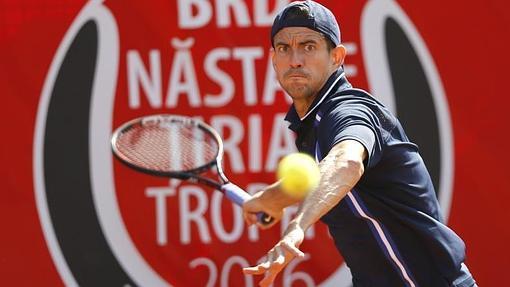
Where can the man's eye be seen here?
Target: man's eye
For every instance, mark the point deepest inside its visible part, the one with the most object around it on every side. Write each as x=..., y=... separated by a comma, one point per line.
x=282, y=49
x=309, y=48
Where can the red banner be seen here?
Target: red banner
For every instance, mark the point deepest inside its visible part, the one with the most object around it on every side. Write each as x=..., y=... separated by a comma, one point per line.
x=74, y=71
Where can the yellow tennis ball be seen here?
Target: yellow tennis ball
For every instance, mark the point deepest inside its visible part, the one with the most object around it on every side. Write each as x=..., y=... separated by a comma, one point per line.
x=299, y=173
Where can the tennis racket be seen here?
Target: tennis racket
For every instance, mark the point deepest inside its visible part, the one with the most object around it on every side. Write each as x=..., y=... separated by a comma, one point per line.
x=177, y=147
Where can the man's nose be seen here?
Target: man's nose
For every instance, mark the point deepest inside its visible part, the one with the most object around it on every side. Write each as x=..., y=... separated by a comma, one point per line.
x=296, y=59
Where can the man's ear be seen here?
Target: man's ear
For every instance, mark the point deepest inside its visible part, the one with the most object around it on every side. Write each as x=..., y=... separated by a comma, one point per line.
x=338, y=53
x=271, y=54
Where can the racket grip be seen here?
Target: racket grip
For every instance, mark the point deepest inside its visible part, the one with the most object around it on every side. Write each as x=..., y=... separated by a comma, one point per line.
x=239, y=197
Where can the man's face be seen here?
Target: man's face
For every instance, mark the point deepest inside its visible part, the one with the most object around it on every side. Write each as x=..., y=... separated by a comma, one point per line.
x=302, y=61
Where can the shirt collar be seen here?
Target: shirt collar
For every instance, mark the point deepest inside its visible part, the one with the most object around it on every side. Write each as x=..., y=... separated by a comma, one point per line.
x=336, y=79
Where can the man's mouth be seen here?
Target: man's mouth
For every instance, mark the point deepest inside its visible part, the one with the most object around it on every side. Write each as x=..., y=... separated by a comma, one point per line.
x=295, y=73
x=296, y=76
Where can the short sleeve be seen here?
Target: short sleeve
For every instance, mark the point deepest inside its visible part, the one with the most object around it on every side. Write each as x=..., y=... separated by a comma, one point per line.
x=353, y=121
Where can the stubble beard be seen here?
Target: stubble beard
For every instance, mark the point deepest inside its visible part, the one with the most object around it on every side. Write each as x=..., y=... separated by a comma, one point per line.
x=299, y=90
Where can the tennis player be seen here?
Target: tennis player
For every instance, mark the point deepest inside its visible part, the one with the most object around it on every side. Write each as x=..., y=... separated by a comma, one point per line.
x=375, y=193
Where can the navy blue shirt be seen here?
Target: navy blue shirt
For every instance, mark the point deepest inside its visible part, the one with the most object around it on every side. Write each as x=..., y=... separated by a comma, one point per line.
x=388, y=228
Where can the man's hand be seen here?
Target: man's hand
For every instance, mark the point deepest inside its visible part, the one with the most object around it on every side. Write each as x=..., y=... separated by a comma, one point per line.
x=257, y=204
x=269, y=200
x=280, y=255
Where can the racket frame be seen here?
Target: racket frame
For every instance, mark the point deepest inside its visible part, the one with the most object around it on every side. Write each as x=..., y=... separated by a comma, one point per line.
x=192, y=174
x=232, y=191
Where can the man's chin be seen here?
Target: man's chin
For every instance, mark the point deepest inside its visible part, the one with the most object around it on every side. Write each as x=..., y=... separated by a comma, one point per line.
x=295, y=86
x=296, y=94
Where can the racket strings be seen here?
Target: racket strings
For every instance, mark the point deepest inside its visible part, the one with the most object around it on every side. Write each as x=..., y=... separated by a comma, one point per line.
x=168, y=148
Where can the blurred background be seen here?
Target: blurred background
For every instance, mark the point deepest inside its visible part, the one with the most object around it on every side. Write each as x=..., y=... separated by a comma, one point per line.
x=72, y=71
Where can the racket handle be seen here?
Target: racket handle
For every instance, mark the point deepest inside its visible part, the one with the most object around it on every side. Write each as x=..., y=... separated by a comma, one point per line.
x=239, y=197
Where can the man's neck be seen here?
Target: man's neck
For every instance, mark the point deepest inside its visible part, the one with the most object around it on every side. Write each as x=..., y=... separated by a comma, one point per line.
x=302, y=105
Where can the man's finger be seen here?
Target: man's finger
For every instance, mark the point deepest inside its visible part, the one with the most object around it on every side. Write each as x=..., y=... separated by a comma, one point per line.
x=277, y=259
x=259, y=269
x=293, y=250
x=265, y=265
x=250, y=218
x=280, y=257
x=255, y=270
x=270, y=276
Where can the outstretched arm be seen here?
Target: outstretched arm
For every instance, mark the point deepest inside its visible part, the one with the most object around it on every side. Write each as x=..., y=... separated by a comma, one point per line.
x=340, y=171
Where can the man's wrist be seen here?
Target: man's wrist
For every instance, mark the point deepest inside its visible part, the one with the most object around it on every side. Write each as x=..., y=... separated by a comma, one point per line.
x=299, y=223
